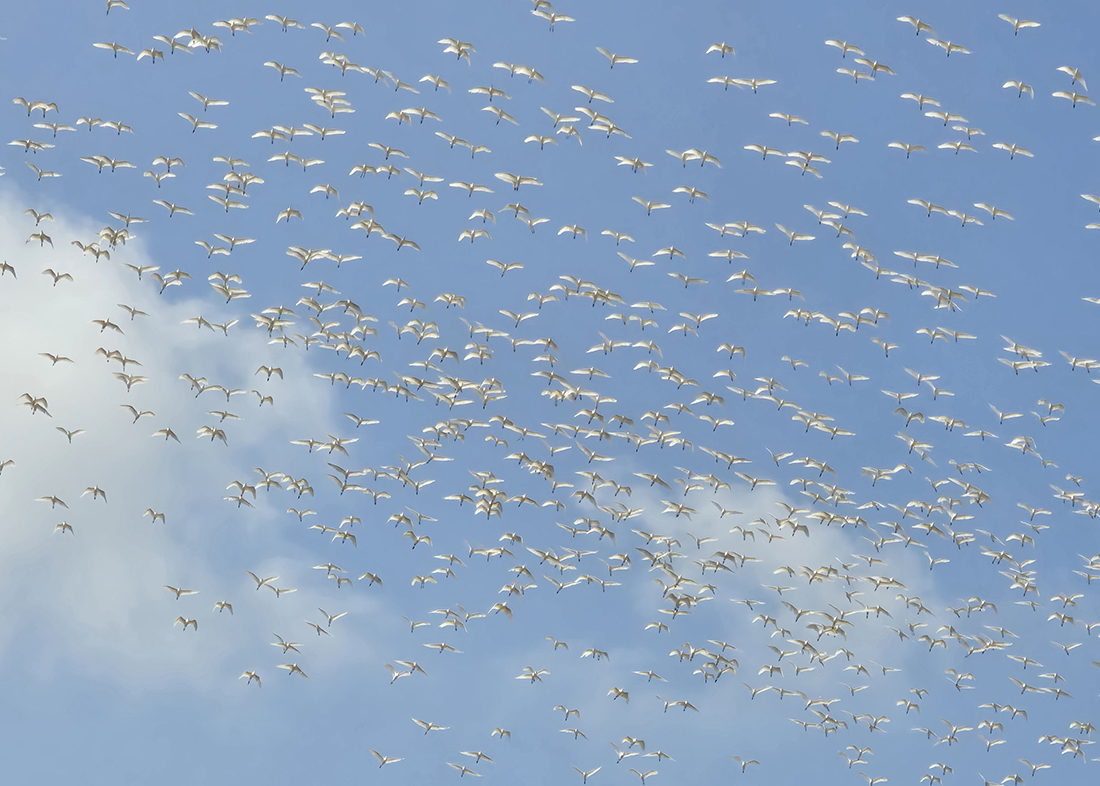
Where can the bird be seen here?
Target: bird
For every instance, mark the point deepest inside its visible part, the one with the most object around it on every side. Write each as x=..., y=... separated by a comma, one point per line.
x=839, y=138
x=993, y=211
x=908, y=148
x=587, y=92
x=172, y=208
x=1017, y=24
x=261, y=582
x=614, y=58
x=1013, y=150
x=57, y=276
x=744, y=763
x=791, y=235
x=856, y=74
x=958, y=147
x=463, y=770
x=428, y=726
x=208, y=102
x=948, y=46
x=650, y=205
x=332, y=617
x=282, y=69
x=875, y=66
x=114, y=47
x=1075, y=75
x=586, y=774
x=844, y=47
x=754, y=84
x=384, y=760
x=1074, y=97
x=916, y=23
x=764, y=150
x=70, y=434
x=197, y=123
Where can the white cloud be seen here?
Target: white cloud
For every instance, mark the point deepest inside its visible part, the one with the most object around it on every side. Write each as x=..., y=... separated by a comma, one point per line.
x=99, y=590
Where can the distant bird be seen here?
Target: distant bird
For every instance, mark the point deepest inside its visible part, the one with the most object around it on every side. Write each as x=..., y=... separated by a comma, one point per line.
x=614, y=58
x=1017, y=24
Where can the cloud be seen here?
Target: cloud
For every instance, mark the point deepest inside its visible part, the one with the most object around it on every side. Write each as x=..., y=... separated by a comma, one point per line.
x=96, y=596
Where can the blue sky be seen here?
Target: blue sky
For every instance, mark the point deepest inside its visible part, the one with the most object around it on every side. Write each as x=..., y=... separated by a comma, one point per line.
x=87, y=633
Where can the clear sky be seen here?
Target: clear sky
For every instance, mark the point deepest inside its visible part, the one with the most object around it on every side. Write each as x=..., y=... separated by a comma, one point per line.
x=874, y=426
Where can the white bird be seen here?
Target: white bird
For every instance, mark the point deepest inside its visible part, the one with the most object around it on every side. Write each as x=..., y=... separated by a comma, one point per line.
x=745, y=763
x=917, y=23
x=463, y=770
x=208, y=102
x=1013, y=150
x=1075, y=97
x=282, y=69
x=614, y=58
x=692, y=192
x=838, y=138
x=908, y=148
x=114, y=47
x=261, y=582
x=195, y=122
x=946, y=117
x=948, y=46
x=384, y=760
x=517, y=180
x=921, y=99
x=461, y=49
x=591, y=95
x=1075, y=73
x=1018, y=24
x=856, y=74
x=552, y=16
x=70, y=434
x=765, y=150
x=586, y=774
x=844, y=47
x=993, y=211
x=354, y=28
x=650, y=206
x=789, y=118
x=428, y=726
x=754, y=83
x=559, y=118
x=791, y=235
x=172, y=208
x=875, y=66
x=285, y=21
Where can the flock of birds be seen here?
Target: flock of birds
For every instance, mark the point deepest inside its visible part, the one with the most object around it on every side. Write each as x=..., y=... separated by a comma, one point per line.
x=641, y=477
